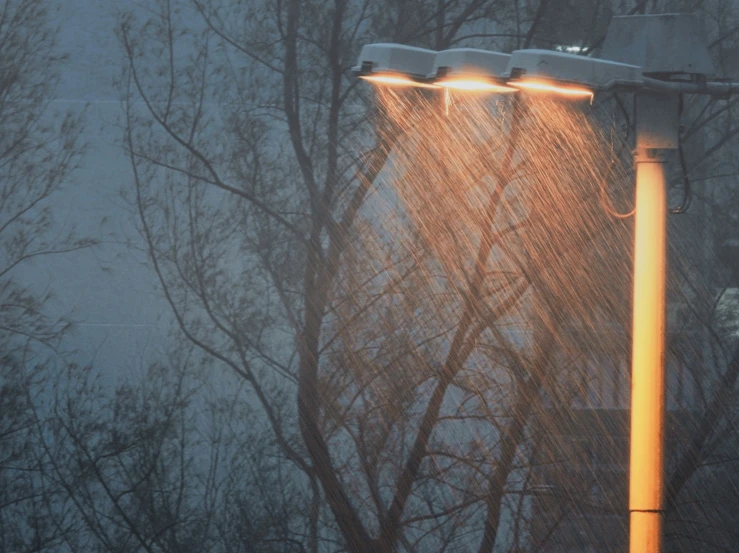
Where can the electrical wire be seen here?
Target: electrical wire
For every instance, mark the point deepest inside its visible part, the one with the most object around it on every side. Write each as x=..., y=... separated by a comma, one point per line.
x=604, y=200
x=687, y=194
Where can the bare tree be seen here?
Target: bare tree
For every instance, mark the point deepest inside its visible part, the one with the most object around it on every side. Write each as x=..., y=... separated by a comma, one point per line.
x=421, y=335
x=39, y=147
x=166, y=462
x=288, y=259
x=33, y=515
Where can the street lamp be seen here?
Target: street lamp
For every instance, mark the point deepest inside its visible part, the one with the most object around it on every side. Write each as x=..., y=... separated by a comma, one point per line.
x=657, y=57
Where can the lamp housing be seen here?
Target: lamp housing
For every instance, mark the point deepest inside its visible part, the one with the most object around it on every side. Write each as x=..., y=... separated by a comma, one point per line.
x=395, y=64
x=562, y=71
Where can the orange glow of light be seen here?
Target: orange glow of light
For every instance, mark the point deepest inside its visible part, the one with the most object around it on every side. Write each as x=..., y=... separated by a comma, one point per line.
x=646, y=472
x=474, y=85
x=564, y=90
x=391, y=79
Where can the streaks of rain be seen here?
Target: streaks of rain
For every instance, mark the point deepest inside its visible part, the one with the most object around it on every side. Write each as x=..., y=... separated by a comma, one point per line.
x=488, y=275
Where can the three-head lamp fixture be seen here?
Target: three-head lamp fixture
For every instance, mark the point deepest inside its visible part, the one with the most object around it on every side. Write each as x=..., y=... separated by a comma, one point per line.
x=470, y=69
x=466, y=69
x=643, y=53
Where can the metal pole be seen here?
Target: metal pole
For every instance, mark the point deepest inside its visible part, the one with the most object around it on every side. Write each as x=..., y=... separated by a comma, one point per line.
x=648, y=378
x=656, y=132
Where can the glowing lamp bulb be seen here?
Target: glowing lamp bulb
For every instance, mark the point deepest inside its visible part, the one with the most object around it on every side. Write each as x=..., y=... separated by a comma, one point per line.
x=391, y=79
x=473, y=85
x=562, y=90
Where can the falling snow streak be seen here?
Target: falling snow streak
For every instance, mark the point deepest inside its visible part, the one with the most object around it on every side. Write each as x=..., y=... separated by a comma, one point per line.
x=485, y=265
x=542, y=212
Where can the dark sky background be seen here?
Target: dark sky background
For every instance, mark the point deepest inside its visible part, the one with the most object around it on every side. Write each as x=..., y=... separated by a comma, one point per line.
x=109, y=290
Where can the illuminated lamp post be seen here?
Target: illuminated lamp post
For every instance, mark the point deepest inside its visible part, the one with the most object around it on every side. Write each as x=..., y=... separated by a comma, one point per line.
x=657, y=57
x=672, y=51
